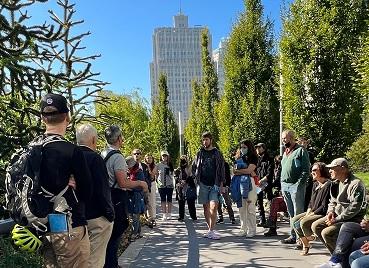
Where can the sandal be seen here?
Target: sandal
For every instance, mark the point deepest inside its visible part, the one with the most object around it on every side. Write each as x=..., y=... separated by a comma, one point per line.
x=305, y=251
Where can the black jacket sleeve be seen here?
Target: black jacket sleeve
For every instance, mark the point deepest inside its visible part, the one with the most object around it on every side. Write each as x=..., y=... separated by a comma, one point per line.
x=82, y=176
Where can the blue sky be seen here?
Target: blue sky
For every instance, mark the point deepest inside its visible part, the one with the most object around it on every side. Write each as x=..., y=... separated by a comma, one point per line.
x=122, y=31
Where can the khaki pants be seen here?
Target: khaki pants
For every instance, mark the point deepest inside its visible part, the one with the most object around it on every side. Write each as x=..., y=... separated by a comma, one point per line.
x=99, y=230
x=151, y=206
x=62, y=250
x=248, y=217
x=327, y=234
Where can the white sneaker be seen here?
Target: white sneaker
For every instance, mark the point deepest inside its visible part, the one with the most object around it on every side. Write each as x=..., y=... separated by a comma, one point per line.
x=169, y=216
x=241, y=233
x=250, y=235
x=206, y=235
x=164, y=216
x=329, y=265
x=213, y=235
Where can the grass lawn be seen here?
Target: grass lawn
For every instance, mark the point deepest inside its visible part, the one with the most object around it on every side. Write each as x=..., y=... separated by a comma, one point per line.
x=364, y=177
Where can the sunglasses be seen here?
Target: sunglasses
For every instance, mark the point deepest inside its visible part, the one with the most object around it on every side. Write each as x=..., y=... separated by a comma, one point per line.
x=136, y=153
x=314, y=170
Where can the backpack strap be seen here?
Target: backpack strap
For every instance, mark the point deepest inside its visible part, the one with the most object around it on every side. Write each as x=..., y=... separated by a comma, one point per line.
x=106, y=158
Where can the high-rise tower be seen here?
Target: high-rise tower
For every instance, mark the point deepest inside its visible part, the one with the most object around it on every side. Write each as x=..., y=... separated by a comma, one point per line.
x=177, y=53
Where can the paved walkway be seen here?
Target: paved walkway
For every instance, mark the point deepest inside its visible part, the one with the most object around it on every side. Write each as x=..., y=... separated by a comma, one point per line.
x=180, y=244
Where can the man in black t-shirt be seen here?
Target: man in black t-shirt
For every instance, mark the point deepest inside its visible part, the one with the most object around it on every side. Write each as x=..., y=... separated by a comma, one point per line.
x=208, y=168
x=62, y=161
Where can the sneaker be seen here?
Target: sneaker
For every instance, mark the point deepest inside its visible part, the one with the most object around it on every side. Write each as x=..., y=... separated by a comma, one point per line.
x=329, y=265
x=261, y=224
x=180, y=219
x=169, y=216
x=250, y=235
x=220, y=220
x=233, y=221
x=271, y=232
x=290, y=240
x=241, y=233
x=164, y=217
x=206, y=235
x=213, y=235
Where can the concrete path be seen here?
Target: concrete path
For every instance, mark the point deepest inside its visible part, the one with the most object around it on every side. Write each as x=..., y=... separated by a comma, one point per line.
x=180, y=244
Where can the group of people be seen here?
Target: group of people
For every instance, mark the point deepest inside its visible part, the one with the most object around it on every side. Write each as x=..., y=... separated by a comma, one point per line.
x=107, y=189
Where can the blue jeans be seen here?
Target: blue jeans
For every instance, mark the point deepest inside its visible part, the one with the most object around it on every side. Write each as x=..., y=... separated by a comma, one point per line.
x=294, y=196
x=359, y=260
x=348, y=232
x=136, y=225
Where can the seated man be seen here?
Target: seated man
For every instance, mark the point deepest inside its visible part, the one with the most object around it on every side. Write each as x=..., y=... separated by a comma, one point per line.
x=348, y=206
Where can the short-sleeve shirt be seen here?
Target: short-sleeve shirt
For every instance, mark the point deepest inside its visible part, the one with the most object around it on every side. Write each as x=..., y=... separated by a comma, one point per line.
x=165, y=178
x=208, y=167
x=115, y=163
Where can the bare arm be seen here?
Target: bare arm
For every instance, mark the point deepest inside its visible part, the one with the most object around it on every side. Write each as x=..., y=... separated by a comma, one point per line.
x=124, y=182
x=245, y=171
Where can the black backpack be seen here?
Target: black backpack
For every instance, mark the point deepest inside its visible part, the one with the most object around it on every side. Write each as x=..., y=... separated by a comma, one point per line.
x=28, y=203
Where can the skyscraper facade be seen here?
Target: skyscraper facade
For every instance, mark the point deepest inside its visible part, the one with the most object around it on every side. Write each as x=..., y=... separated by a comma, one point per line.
x=218, y=60
x=177, y=53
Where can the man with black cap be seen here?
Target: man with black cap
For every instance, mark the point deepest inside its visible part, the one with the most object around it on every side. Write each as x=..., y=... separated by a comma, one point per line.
x=264, y=169
x=62, y=161
x=348, y=206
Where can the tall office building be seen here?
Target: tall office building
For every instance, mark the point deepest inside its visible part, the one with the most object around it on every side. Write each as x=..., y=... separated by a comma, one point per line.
x=177, y=53
x=218, y=60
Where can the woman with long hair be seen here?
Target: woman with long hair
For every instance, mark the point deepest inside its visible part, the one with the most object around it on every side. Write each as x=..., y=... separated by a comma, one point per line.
x=317, y=208
x=151, y=208
x=247, y=154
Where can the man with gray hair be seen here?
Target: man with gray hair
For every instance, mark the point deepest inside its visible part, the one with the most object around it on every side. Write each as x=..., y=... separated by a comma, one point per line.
x=99, y=209
x=118, y=182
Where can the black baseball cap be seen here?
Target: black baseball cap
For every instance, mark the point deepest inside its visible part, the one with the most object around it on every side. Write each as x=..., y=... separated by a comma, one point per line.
x=57, y=101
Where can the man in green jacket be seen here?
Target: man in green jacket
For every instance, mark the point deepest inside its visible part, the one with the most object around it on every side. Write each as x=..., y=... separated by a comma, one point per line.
x=295, y=173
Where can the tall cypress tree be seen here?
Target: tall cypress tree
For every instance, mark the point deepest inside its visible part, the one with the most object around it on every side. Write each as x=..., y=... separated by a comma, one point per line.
x=162, y=128
x=204, y=100
x=249, y=107
x=319, y=40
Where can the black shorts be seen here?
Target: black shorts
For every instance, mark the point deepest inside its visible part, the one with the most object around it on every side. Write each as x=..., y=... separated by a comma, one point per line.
x=166, y=194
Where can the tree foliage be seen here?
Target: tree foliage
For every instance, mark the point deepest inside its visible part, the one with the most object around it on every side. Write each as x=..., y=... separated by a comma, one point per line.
x=163, y=130
x=359, y=151
x=204, y=100
x=249, y=106
x=131, y=113
x=319, y=41
x=35, y=59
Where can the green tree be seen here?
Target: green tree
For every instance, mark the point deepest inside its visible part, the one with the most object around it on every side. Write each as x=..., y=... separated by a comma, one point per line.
x=249, y=106
x=204, y=100
x=163, y=130
x=359, y=151
x=318, y=44
x=131, y=113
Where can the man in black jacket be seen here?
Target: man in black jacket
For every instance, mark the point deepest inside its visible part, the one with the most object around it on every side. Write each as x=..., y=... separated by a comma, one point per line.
x=264, y=170
x=61, y=161
x=99, y=210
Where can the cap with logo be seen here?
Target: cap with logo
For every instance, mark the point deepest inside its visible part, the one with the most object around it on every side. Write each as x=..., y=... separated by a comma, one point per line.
x=164, y=153
x=338, y=162
x=56, y=101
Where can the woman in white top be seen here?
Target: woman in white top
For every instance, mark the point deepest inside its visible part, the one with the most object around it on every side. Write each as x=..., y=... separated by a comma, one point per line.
x=165, y=184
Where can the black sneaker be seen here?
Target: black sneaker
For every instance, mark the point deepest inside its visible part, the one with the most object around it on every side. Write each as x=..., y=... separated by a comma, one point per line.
x=180, y=219
x=290, y=240
x=271, y=232
x=233, y=221
x=220, y=220
x=261, y=224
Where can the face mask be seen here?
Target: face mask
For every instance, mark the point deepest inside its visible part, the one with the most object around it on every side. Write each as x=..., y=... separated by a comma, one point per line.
x=288, y=144
x=243, y=151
